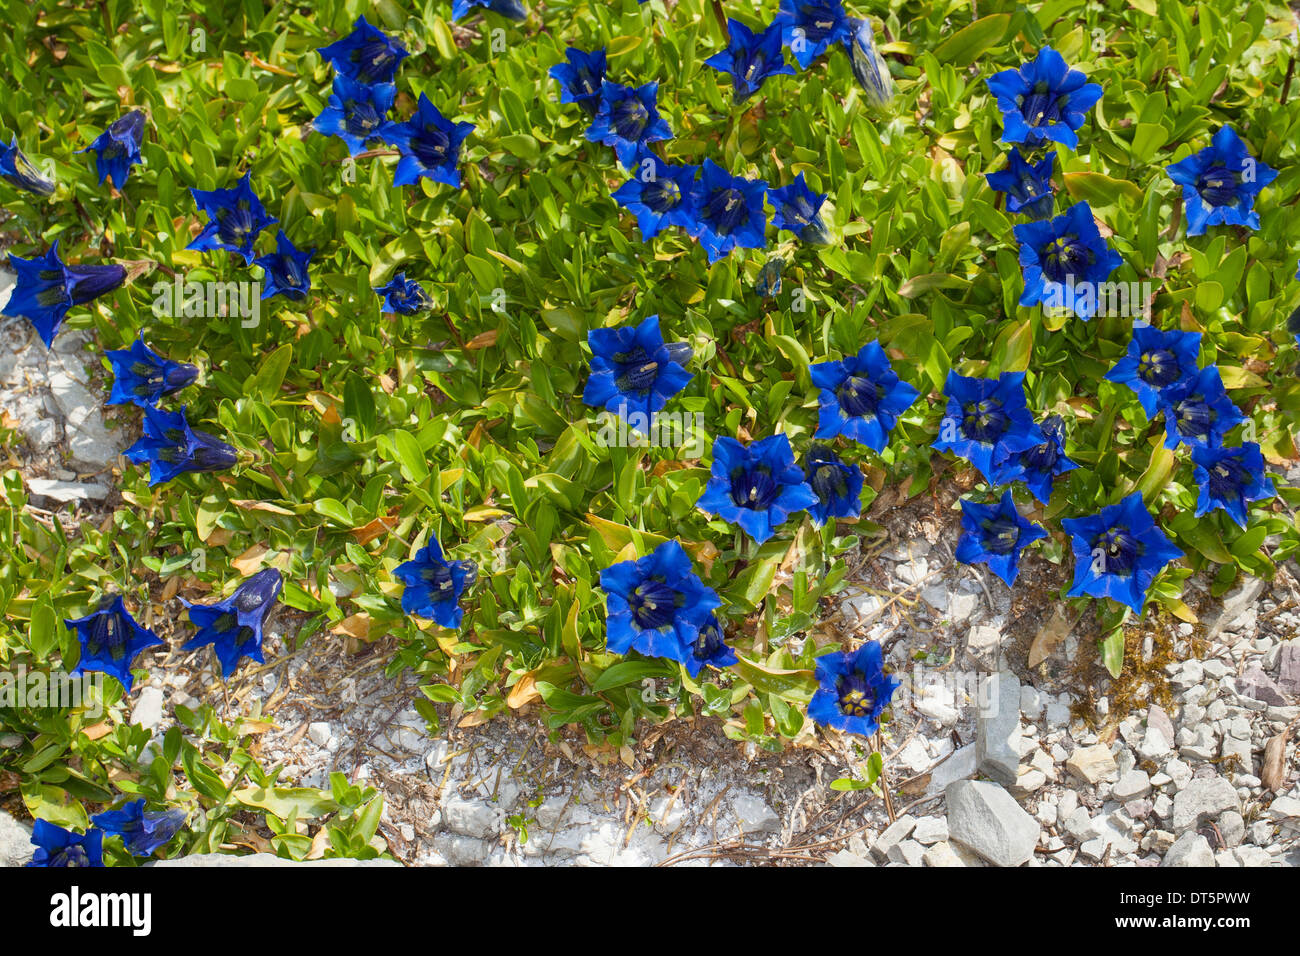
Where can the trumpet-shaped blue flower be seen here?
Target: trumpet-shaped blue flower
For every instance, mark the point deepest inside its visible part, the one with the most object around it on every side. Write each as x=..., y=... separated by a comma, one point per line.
x=809, y=27
x=658, y=606
x=1229, y=478
x=1064, y=261
x=233, y=626
x=172, y=447
x=750, y=58
x=661, y=195
x=356, y=112
x=142, y=831
x=1157, y=362
x=633, y=372
x=627, y=118
x=510, y=9
x=709, y=648
x=995, y=534
x=17, y=170
x=46, y=288
x=580, y=78
x=142, y=377
x=757, y=487
x=861, y=397
x=117, y=149
x=797, y=210
x=837, y=485
x=768, y=281
x=1043, y=100
x=434, y=585
x=1220, y=183
x=235, y=218
x=286, y=269
x=730, y=212
x=366, y=55
x=1028, y=185
x=1118, y=552
x=430, y=146
x=404, y=296
x=868, y=66
x=110, y=640
x=988, y=423
x=57, y=847
x=1044, y=462
x=853, y=690
x=1198, y=411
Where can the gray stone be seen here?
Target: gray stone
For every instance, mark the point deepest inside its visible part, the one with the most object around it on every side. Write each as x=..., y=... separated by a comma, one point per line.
x=845, y=858
x=1257, y=685
x=754, y=815
x=1288, y=676
x=319, y=732
x=15, y=841
x=66, y=492
x=1159, y=737
x=1203, y=799
x=892, y=835
x=930, y=830
x=1284, y=808
x=1132, y=786
x=985, y=818
x=1236, y=605
x=469, y=817
x=1190, y=849
x=907, y=853
x=997, y=728
x=983, y=643
x=460, y=850
x=1232, y=828
x=147, y=711
x=959, y=766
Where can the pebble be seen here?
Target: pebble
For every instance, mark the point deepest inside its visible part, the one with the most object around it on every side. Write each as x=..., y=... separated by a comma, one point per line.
x=1191, y=849
x=319, y=732
x=1203, y=799
x=1131, y=786
x=985, y=818
x=1092, y=764
x=997, y=728
x=147, y=711
x=930, y=830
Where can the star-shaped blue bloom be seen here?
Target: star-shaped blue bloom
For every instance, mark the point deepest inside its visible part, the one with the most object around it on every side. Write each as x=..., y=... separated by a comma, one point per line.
x=356, y=112
x=57, y=847
x=404, y=296
x=1044, y=462
x=1220, y=183
x=853, y=690
x=285, y=270
x=709, y=648
x=235, y=218
x=660, y=194
x=756, y=487
x=510, y=9
x=1229, y=478
x=430, y=146
x=797, y=209
x=110, y=640
x=1198, y=411
x=142, y=831
x=46, y=288
x=730, y=212
x=580, y=78
x=142, y=377
x=1156, y=362
x=837, y=485
x=868, y=66
x=1028, y=185
x=1118, y=552
x=172, y=447
x=434, y=585
x=633, y=372
x=809, y=27
x=750, y=58
x=17, y=170
x=657, y=606
x=1064, y=261
x=988, y=423
x=861, y=397
x=995, y=535
x=628, y=119
x=117, y=149
x=366, y=55
x=1043, y=100
x=233, y=626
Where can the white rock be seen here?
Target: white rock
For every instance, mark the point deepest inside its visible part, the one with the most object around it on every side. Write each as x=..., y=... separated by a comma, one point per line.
x=985, y=818
x=930, y=830
x=147, y=711
x=1191, y=849
x=1131, y=786
x=754, y=815
x=319, y=732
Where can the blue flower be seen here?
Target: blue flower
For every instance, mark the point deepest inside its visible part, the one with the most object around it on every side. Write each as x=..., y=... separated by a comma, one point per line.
x=356, y=112
x=430, y=146
x=838, y=486
x=1220, y=183
x=1028, y=185
x=110, y=640
x=404, y=296
x=1157, y=362
x=366, y=55
x=633, y=373
x=117, y=149
x=995, y=535
x=580, y=78
x=708, y=648
x=768, y=281
x=1064, y=261
x=172, y=447
x=1043, y=100
x=657, y=606
x=797, y=210
x=809, y=27
x=853, y=690
x=861, y=397
x=510, y=9
x=750, y=58
x=1229, y=478
x=1198, y=411
x=235, y=217
x=1119, y=552
x=142, y=831
x=233, y=626
x=661, y=195
x=730, y=212
x=987, y=423
x=1044, y=462
x=434, y=585
x=286, y=270
x=56, y=846
x=871, y=72
x=757, y=487
x=17, y=170
x=142, y=377
x=628, y=119
x=46, y=288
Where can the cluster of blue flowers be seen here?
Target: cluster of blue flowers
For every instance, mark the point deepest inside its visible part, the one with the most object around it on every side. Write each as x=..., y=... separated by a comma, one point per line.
x=142, y=833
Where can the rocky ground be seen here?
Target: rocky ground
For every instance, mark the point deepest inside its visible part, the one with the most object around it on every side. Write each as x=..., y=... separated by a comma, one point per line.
x=1009, y=745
